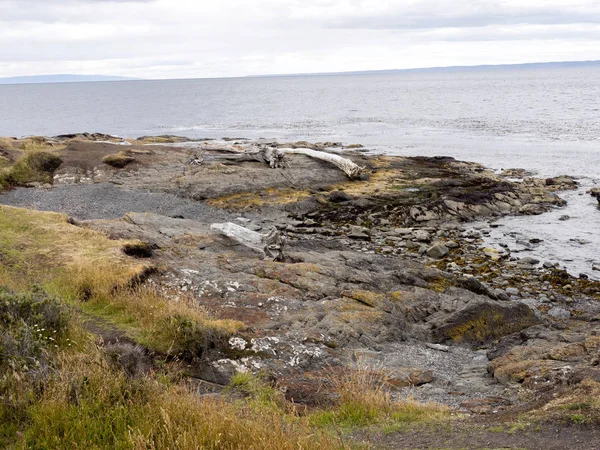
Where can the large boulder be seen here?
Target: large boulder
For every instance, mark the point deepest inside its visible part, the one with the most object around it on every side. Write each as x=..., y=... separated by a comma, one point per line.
x=483, y=322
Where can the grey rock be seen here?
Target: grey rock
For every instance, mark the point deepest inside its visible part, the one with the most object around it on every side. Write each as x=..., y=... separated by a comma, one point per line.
x=559, y=313
x=452, y=244
x=437, y=251
x=339, y=197
x=512, y=291
x=438, y=347
x=403, y=231
x=529, y=260
x=422, y=235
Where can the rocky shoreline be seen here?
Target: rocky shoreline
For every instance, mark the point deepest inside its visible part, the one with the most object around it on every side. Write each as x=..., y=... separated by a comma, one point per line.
x=384, y=270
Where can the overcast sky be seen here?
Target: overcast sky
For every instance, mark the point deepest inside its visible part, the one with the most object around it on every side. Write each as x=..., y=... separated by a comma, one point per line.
x=198, y=38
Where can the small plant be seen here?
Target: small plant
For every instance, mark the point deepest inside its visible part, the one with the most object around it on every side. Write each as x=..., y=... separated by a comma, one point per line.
x=138, y=249
x=33, y=167
x=118, y=160
x=256, y=389
x=364, y=400
x=132, y=359
x=579, y=419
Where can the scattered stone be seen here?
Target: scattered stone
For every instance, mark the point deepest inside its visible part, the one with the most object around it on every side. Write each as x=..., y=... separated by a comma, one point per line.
x=421, y=235
x=339, y=197
x=409, y=377
x=438, y=347
x=452, y=244
x=529, y=260
x=559, y=313
x=511, y=291
x=403, y=231
x=437, y=251
x=564, y=217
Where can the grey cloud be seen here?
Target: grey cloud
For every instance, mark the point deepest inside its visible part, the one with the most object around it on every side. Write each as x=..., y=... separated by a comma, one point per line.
x=429, y=21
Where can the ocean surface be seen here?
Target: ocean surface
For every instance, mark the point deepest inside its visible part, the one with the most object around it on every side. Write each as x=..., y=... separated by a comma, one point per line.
x=544, y=120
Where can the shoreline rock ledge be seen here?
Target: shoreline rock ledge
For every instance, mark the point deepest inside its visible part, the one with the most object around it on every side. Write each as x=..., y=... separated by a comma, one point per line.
x=362, y=257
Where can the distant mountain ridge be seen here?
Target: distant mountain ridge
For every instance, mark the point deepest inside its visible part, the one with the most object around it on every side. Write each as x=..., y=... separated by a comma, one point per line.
x=61, y=78
x=450, y=69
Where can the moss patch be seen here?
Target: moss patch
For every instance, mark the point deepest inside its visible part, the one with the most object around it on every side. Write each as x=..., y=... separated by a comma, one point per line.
x=485, y=322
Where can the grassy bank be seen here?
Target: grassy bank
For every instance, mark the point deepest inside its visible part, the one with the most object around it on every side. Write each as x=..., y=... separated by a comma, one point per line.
x=62, y=388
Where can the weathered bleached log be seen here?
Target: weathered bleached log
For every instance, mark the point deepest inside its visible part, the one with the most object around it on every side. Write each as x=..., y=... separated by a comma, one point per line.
x=222, y=148
x=269, y=155
x=351, y=169
x=268, y=245
x=261, y=153
x=274, y=156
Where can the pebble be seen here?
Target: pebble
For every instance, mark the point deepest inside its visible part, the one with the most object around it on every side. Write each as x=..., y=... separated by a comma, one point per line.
x=422, y=235
x=559, y=313
x=529, y=260
x=437, y=251
x=439, y=347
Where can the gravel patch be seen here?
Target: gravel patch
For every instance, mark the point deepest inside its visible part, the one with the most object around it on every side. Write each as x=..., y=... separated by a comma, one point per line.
x=459, y=374
x=107, y=201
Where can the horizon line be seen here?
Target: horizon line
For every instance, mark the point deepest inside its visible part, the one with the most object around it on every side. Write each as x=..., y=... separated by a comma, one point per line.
x=117, y=78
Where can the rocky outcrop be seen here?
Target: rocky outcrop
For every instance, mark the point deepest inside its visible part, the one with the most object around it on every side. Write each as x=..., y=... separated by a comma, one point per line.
x=379, y=269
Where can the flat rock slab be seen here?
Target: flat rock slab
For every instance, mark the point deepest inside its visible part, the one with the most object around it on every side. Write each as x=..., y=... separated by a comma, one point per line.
x=108, y=201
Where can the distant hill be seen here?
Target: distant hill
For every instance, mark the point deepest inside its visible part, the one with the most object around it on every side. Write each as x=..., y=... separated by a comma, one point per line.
x=62, y=78
x=450, y=69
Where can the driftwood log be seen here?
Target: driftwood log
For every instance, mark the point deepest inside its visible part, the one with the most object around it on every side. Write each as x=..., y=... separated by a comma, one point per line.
x=274, y=156
x=269, y=246
x=347, y=166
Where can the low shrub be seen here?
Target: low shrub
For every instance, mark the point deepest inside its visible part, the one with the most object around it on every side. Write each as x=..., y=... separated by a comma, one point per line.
x=364, y=400
x=33, y=167
x=138, y=249
x=32, y=327
x=118, y=160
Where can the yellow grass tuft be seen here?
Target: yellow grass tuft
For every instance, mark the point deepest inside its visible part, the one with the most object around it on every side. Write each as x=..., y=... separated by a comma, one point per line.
x=365, y=400
x=90, y=271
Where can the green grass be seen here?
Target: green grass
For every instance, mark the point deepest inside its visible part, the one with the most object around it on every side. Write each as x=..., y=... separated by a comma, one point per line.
x=118, y=160
x=91, y=273
x=256, y=391
x=36, y=166
x=364, y=401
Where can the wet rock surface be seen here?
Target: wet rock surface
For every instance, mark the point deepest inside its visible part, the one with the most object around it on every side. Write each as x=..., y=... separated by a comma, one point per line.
x=385, y=271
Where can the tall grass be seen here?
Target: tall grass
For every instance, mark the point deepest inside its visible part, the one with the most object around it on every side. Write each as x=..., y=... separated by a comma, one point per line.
x=364, y=399
x=90, y=271
x=90, y=404
x=36, y=166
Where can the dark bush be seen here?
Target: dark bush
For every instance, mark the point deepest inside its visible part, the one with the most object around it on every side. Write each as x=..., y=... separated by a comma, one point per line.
x=30, y=323
x=138, y=249
x=132, y=359
x=43, y=161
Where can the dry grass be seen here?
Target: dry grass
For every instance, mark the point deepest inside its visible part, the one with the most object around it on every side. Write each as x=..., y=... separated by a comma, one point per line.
x=90, y=404
x=268, y=196
x=89, y=270
x=579, y=404
x=364, y=400
x=34, y=166
x=38, y=247
x=36, y=143
x=119, y=160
